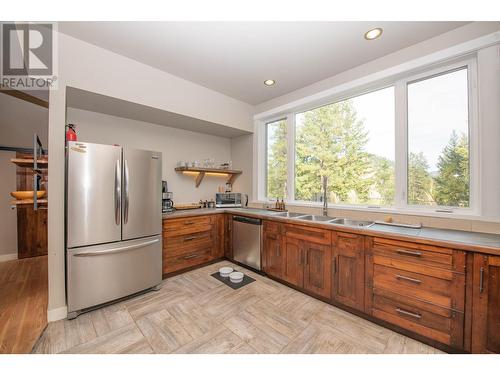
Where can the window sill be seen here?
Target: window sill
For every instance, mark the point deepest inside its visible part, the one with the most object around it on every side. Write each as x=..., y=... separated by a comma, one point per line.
x=460, y=215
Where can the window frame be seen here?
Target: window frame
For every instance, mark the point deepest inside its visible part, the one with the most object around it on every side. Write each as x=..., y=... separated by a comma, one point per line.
x=266, y=157
x=400, y=83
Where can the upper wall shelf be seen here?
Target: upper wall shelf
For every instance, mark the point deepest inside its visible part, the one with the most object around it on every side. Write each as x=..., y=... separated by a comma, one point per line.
x=201, y=172
x=29, y=163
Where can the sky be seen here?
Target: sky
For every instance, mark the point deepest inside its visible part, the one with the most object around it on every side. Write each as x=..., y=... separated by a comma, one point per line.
x=436, y=107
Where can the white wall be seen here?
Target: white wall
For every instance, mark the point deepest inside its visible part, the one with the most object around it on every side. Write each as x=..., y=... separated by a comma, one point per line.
x=241, y=155
x=87, y=67
x=19, y=120
x=8, y=217
x=174, y=144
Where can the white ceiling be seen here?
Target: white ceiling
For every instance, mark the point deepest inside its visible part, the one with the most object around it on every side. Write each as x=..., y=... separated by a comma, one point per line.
x=235, y=58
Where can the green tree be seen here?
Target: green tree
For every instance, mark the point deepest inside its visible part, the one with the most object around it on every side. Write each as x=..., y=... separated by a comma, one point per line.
x=452, y=181
x=419, y=180
x=276, y=159
x=330, y=142
x=383, y=179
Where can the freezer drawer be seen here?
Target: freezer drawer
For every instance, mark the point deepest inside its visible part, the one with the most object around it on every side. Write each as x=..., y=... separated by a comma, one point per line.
x=102, y=273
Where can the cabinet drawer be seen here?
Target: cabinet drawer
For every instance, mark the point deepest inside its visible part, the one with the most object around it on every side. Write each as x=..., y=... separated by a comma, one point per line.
x=310, y=234
x=179, y=245
x=414, y=253
x=426, y=288
x=178, y=227
x=271, y=227
x=417, y=319
x=176, y=263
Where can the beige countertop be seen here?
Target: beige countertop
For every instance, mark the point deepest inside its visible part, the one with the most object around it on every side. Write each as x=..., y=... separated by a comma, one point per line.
x=462, y=240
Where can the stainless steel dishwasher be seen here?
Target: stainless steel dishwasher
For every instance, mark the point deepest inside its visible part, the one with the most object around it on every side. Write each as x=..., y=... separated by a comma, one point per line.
x=247, y=233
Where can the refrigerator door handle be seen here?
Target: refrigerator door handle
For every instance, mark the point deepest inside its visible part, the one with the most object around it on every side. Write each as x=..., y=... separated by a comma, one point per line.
x=118, y=192
x=126, y=191
x=116, y=249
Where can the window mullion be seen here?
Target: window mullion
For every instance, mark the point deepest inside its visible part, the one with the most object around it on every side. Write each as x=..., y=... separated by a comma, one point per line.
x=401, y=133
x=290, y=123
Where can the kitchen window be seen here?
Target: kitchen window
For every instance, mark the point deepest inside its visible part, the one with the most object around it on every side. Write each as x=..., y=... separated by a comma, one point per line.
x=408, y=144
x=351, y=142
x=276, y=159
x=438, y=141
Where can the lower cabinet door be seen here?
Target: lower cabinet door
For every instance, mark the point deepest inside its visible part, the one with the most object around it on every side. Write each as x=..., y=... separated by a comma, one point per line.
x=486, y=304
x=293, y=269
x=317, y=269
x=348, y=270
x=273, y=254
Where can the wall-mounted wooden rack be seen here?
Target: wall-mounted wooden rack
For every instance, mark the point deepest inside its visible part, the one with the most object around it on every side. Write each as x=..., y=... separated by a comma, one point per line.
x=200, y=173
x=29, y=163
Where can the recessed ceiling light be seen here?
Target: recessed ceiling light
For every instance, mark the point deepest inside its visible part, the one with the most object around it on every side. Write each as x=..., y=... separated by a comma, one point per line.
x=269, y=82
x=373, y=33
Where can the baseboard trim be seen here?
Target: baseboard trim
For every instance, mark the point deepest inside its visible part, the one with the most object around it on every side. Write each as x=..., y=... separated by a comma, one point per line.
x=7, y=257
x=57, y=314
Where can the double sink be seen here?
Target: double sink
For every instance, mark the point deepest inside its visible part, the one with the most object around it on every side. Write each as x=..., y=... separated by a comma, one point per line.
x=325, y=219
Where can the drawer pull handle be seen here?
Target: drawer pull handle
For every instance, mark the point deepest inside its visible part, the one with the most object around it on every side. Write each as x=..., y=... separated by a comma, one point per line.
x=410, y=253
x=278, y=250
x=411, y=280
x=188, y=222
x=192, y=256
x=408, y=313
x=190, y=238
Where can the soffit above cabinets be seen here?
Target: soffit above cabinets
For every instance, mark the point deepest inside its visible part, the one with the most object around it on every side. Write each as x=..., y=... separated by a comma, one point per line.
x=89, y=101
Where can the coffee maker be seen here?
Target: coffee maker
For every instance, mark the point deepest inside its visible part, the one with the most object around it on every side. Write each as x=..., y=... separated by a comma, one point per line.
x=167, y=204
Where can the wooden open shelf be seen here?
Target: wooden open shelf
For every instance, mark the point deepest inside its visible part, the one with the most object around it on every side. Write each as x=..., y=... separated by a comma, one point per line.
x=29, y=201
x=29, y=163
x=201, y=172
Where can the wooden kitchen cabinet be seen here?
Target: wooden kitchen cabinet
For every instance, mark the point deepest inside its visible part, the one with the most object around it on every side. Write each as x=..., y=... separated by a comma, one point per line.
x=272, y=255
x=348, y=269
x=293, y=269
x=192, y=241
x=317, y=268
x=486, y=304
x=420, y=288
x=307, y=259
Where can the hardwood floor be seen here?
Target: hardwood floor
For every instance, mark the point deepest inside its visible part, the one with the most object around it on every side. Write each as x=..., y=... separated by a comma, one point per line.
x=23, y=303
x=195, y=313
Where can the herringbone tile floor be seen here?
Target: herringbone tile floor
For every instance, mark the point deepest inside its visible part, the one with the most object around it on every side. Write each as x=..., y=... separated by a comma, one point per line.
x=195, y=313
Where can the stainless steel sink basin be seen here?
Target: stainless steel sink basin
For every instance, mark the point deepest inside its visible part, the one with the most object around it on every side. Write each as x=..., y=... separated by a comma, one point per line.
x=353, y=223
x=315, y=218
x=289, y=215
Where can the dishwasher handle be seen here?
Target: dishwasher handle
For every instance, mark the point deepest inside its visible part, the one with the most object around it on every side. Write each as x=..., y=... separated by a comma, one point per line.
x=247, y=220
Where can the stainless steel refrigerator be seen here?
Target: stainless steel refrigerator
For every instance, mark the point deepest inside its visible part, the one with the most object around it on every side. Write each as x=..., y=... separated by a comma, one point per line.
x=113, y=223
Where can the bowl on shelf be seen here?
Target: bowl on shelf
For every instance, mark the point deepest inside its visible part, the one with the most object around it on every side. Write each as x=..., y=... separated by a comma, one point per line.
x=225, y=271
x=236, y=277
x=27, y=194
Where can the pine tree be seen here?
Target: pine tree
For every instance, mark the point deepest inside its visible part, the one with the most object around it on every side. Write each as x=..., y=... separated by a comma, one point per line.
x=452, y=181
x=419, y=180
x=331, y=142
x=277, y=160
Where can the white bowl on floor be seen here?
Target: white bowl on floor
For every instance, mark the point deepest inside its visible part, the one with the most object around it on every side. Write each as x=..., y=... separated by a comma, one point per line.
x=225, y=271
x=236, y=277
